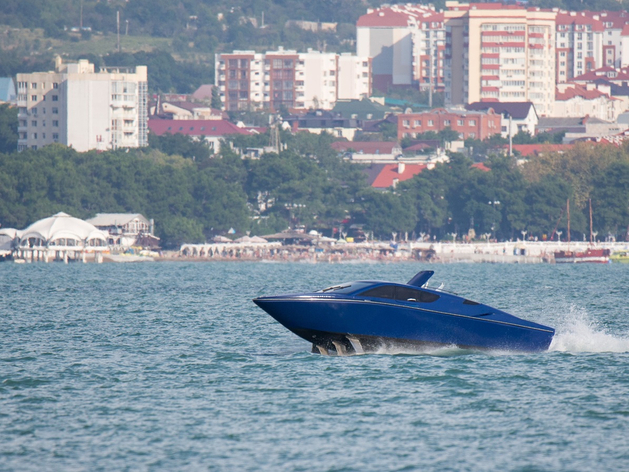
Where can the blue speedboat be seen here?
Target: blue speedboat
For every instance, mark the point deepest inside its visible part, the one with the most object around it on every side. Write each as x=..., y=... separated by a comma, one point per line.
x=365, y=316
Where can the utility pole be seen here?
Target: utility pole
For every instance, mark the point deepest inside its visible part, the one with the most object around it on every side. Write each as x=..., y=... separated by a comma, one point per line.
x=430, y=72
x=274, y=141
x=510, y=137
x=118, y=29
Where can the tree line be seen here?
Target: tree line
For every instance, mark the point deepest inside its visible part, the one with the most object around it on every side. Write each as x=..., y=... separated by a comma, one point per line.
x=196, y=196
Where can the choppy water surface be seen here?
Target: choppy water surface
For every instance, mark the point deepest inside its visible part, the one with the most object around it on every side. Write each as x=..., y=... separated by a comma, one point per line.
x=170, y=366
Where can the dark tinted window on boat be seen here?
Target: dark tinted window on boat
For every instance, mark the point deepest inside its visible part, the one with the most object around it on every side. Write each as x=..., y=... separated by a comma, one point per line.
x=470, y=302
x=383, y=291
x=414, y=295
x=401, y=293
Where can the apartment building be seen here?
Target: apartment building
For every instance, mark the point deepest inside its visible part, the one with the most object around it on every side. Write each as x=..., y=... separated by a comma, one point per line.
x=406, y=44
x=579, y=44
x=83, y=108
x=615, y=37
x=288, y=79
x=498, y=52
x=469, y=124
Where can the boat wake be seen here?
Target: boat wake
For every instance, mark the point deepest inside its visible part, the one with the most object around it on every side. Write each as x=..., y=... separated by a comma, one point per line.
x=577, y=332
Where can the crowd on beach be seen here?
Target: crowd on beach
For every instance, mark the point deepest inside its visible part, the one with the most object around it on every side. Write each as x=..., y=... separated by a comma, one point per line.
x=379, y=251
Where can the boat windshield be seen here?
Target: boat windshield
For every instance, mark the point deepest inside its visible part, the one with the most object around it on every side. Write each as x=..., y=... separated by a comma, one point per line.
x=346, y=288
x=401, y=293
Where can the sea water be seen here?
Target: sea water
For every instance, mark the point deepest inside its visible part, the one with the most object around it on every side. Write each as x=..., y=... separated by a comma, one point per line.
x=170, y=366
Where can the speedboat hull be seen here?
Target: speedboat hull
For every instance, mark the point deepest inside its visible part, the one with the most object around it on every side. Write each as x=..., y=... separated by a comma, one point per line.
x=360, y=322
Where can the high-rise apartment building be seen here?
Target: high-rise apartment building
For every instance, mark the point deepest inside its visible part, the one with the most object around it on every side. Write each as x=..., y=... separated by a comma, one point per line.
x=82, y=108
x=579, y=44
x=498, y=52
x=406, y=43
x=288, y=79
x=615, y=37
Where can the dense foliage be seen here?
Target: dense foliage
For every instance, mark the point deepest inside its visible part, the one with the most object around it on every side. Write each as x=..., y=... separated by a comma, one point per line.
x=196, y=197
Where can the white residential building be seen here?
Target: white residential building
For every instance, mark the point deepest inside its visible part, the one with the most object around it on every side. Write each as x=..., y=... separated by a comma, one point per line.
x=575, y=100
x=406, y=43
x=288, y=79
x=82, y=108
x=579, y=44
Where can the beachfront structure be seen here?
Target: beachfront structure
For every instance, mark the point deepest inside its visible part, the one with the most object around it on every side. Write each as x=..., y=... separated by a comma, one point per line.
x=498, y=52
x=83, y=108
x=125, y=229
x=58, y=237
x=286, y=79
x=469, y=124
x=406, y=44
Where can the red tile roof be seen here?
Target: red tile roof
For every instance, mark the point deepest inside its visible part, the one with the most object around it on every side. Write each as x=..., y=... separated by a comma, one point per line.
x=618, y=19
x=195, y=127
x=481, y=166
x=578, y=91
x=606, y=72
x=527, y=150
x=579, y=18
x=390, y=173
x=399, y=16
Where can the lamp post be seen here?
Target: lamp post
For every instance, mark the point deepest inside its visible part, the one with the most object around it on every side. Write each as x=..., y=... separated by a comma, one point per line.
x=559, y=236
x=523, y=234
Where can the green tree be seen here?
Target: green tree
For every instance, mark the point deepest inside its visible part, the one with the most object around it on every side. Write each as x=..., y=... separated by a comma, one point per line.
x=8, y=128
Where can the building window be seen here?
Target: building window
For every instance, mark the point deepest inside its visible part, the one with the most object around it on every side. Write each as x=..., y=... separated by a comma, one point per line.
x=55, y=122
x=33, y=98
x=405, y=123
x=472, y=122
x=55, y=111
x=34, y=123
x=446, y=122
x=55, y=136
x=34, y=85
x=55, y=85
x=431, y=123
x=55, y=98
x=459, y=122
x=417, y=123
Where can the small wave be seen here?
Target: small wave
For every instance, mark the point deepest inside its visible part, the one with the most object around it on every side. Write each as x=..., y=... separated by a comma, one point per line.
x=440, y=351
x=576, y=332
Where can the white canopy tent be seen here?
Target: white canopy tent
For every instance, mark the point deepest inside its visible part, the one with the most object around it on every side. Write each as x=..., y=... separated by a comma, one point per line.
x=60, y=236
